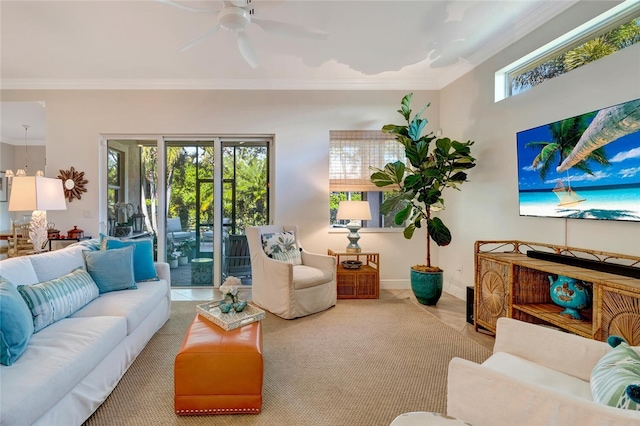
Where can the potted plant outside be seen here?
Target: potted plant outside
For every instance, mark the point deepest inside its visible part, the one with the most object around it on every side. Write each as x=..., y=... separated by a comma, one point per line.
x=419, y=189
x=188, y=248
x=173, y=259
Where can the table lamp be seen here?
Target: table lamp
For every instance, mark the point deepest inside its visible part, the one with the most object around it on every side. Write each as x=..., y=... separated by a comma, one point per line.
x=353, y=211
x=39, y=194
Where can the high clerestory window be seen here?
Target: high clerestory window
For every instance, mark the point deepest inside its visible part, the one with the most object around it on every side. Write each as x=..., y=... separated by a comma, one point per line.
x=352, y=153
x=609, y=32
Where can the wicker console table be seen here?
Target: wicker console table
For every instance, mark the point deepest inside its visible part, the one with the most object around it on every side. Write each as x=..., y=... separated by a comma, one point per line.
x=508, y=283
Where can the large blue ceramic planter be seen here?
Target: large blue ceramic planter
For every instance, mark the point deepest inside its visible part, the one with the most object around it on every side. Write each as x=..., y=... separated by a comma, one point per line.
x=426, y=286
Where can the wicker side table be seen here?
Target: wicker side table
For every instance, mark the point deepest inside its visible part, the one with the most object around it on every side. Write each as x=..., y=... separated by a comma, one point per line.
x=361, y=283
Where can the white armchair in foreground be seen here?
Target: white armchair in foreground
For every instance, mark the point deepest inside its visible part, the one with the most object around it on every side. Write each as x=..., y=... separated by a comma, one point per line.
x=300, y=284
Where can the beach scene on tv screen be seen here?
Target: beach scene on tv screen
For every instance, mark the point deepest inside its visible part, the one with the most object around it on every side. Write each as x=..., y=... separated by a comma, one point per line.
x=586, y=167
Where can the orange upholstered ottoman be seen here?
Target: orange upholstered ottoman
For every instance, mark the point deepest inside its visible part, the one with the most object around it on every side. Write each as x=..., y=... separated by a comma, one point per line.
x=218, y=371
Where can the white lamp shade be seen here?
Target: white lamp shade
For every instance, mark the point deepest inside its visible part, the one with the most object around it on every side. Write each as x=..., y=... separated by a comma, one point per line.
x=36, y=193
x=354, y=210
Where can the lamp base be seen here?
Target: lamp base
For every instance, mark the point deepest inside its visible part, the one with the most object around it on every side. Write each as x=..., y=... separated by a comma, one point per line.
x=353, y=237
x=38, y=230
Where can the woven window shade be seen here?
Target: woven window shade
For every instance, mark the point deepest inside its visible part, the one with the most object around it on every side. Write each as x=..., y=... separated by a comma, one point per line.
x=352, y=153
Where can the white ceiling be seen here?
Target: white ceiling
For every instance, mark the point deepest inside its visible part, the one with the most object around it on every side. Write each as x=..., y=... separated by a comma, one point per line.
x=372, y=45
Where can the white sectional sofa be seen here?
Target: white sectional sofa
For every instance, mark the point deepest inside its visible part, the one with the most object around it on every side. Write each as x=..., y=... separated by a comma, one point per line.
x=71, y=366
x=536, y=376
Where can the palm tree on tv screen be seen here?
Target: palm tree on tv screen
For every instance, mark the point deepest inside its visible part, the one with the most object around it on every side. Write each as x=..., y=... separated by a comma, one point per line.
x=565, y=134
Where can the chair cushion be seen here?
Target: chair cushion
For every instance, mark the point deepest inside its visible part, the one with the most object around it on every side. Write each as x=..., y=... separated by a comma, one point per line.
x=615, y=380
x=306, y=276
x=530, y=372
x=173, y=224
x=53, y=300
x=19, y=271
x=56, y=360
x=16, y=323
x=278, y=242
x=111, y=269
x=53, y=264
x=134, y=306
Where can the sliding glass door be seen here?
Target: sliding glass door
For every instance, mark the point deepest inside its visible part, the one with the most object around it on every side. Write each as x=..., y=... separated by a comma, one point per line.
x=213, y=189
x=245, y=202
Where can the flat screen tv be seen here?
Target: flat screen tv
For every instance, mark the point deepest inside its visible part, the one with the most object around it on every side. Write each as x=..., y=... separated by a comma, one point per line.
x=586, y=167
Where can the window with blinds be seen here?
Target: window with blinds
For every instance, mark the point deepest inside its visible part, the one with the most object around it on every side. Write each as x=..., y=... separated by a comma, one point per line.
x=352, y=153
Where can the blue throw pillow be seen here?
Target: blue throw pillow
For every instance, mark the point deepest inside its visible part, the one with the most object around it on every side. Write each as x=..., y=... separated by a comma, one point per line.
x=16, y=323
x=143, y=266
x=111, y=269
x=53, y=300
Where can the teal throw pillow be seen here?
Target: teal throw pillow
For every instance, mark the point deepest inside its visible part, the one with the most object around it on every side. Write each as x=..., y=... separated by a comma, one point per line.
x=16, y=323
x=615, y=380
x=53, y=300
x=290, y=256
x=278, y=242
x=111, y=269
x=143, y=266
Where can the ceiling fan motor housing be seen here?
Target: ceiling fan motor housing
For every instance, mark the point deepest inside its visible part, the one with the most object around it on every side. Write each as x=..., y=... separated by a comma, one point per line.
x=234, y=18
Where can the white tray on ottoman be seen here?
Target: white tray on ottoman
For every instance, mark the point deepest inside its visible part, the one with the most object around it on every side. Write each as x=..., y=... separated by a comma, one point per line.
x=211, y=311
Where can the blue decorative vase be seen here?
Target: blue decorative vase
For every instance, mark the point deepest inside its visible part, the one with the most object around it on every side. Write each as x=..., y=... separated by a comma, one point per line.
x=569, y=293
x=225, y=306
x=239, y=305
x=426, y=286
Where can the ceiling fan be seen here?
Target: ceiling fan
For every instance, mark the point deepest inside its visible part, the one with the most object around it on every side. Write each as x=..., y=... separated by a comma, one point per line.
x=237, y=15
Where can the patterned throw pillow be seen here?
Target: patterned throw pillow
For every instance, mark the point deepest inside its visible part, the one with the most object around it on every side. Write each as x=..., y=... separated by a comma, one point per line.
x=290, y=256
x=278, y=242
x=615, y=380
x=53, y=300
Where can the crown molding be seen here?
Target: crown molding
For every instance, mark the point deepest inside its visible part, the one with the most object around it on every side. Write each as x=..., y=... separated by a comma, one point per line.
x=218, y=84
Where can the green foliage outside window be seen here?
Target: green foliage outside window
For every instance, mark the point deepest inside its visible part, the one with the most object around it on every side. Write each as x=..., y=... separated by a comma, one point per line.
x=623, y=36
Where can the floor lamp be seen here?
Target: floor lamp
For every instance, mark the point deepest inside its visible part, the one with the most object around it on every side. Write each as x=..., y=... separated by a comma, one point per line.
x=353, y=211
x=39, y=194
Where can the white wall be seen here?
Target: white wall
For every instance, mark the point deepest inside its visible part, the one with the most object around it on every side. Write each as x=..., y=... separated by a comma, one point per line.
x=487, y=206
x=299, y=120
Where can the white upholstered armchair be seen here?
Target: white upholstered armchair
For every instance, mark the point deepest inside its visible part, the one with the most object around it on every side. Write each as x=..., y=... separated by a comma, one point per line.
x=302, y=284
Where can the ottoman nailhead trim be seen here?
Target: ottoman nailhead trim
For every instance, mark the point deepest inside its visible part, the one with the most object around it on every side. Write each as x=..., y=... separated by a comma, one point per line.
x=219, y=410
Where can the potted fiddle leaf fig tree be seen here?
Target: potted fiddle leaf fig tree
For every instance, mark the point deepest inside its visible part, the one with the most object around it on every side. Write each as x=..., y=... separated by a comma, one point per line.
x=434, y=165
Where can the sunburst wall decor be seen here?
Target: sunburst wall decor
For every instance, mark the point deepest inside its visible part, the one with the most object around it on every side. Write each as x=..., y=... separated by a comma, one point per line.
x=73, y=183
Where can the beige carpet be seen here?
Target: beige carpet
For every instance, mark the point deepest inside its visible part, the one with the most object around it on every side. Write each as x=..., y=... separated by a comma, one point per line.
x=362, y=362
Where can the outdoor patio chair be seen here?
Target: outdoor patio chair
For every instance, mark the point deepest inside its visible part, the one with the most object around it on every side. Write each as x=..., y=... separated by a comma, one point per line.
x=237, y=261
x=175, y=233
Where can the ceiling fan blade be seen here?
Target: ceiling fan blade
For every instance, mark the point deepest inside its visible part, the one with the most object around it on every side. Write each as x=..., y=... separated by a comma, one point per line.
x=203, y=37
x=285, y=29
x=189, y=8
x=246, y=49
